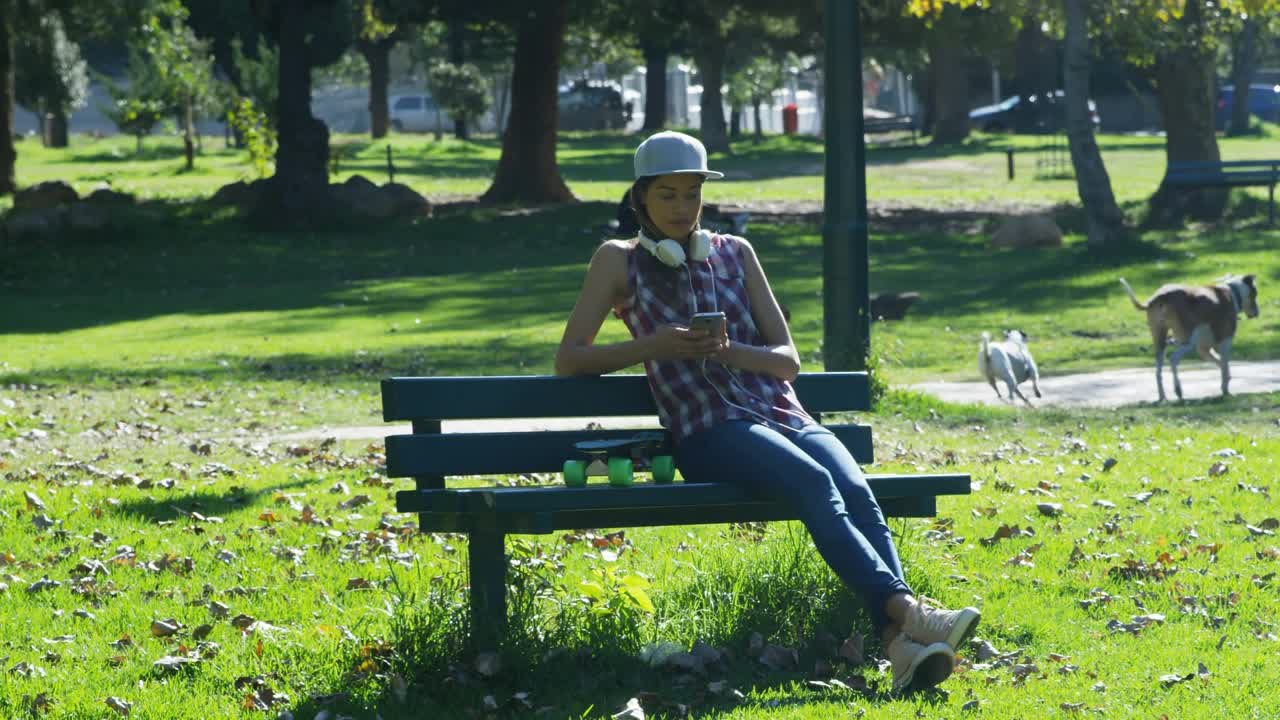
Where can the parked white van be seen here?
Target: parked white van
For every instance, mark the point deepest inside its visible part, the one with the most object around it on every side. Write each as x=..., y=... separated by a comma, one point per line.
x=417, y=113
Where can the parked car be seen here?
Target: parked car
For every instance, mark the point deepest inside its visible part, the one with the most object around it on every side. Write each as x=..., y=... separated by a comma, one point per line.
x=586, y=106
x=1038, y=114
x=1264, y=102
x=416, y=113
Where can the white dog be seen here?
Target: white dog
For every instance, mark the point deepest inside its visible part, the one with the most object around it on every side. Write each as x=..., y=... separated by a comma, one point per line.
x=1009, y=361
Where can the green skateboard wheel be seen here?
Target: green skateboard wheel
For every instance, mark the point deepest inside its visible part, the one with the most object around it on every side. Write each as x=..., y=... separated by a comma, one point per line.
x=575, y=473
x=621, y=473
x=664, y=469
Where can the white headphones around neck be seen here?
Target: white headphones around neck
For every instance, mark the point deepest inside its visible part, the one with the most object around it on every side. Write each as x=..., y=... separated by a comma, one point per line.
x=670, y=253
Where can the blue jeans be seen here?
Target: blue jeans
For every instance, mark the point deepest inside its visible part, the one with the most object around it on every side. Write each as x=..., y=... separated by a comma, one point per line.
x=811, y=471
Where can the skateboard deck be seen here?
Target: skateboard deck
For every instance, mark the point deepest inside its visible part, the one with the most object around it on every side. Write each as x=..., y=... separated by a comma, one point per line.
x=619, y=459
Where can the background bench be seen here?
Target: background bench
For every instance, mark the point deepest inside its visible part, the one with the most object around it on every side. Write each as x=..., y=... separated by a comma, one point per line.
x=1234, y=173
x=488, y=514
x=893, y=123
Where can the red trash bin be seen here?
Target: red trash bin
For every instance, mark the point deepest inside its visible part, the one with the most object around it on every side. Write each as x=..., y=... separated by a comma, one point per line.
x=790, y=119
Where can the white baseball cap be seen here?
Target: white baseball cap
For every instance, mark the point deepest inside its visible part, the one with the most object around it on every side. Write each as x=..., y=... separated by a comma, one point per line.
x=666, y=153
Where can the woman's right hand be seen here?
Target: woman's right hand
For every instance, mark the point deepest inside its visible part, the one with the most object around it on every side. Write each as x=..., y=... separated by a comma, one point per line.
x=677, y=342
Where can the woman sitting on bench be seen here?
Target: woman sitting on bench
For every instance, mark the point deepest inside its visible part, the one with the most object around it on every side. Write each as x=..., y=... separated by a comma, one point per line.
x=724, y=394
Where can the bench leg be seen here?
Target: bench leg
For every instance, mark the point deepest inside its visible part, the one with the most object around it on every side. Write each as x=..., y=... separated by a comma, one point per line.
x=488, y=565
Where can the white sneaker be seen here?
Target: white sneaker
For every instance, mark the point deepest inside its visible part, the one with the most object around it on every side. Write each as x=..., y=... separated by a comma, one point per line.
x=926, y=624
x=916, y=666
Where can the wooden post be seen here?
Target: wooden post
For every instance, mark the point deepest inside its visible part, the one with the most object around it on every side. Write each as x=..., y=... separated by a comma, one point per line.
x=1009, y=155
x=845, y=297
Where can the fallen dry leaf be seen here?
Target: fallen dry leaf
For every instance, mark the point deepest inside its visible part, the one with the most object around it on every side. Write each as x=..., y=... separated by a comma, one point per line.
x=33, y=501
x=165, y=628
x=632, y=711
x=121, y=706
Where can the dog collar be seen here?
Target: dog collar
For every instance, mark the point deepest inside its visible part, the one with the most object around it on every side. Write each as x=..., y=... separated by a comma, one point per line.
x=1237, y=298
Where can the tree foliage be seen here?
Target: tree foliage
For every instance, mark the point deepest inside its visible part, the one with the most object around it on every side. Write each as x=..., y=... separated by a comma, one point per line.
x=257, y=132
x=181, y=63
x=258, y=77
x=460, y=90
x=51, y=76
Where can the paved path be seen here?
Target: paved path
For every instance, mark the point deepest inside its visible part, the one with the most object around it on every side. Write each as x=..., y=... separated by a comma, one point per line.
x=1111, y=388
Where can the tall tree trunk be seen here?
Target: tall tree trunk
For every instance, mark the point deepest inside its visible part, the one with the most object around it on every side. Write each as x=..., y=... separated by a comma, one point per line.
x=759, y=126
x=655, y=86
x=924, y=86
x=735, y=121
x=298, y=194
x=710, y=59
x=502, y=93
x=1106, y=222
x=527, y=171
x=377, y=54
x=8, y=155
x=1184, y=89
x=457, y=56
x=950, y=88
x=1034, y=58
x=58, y=129
x=188, y=132
x=1244, y=59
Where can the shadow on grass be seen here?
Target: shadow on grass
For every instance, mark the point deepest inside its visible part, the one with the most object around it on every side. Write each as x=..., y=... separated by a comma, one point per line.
x=496, y=357
x=167, y=260
x=205, y=502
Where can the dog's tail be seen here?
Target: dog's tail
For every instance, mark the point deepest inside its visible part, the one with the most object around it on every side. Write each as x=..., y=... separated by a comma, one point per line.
x=1133, y=297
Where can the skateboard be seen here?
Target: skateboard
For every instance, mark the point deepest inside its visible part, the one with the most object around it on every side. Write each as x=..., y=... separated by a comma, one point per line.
x=622, y=458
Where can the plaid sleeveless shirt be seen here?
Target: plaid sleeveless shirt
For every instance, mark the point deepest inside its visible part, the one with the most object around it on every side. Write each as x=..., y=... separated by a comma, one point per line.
x=693, y=395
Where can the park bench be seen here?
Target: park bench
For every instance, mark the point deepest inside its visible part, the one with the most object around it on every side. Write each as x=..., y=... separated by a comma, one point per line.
x=1234, y=173
x=488, y=514
x=893, y=123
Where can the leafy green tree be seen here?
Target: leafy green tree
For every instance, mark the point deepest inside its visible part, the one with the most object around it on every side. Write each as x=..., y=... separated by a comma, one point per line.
x=257, y=133
x=135, y=116
x=460, y=90
x=953, y=29
x=1178, y=41
x=142, y=102
x=257, y=77
x=527, y=171
x=81, y=19
x=376, y=34
x=307, y=34
x=754, y=84
x=52, y=79
x=182, y=66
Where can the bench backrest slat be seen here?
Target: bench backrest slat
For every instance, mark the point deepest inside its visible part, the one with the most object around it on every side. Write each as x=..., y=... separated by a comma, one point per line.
x=544, y=396
x=1225, y=164
x=452, y=454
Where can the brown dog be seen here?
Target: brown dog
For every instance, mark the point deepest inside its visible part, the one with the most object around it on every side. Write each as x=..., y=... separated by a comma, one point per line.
x=1203, y=317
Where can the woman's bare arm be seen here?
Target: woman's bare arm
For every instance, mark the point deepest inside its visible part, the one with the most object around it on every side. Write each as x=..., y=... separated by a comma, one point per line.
x=778, y=356
x=605, y=284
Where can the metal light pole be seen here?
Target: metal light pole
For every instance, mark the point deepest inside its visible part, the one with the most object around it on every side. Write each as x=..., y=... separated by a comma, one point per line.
x=846, y=306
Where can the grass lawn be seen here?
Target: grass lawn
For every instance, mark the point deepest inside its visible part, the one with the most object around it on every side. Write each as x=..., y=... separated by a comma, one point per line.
x=597, y=166
x=158, y=548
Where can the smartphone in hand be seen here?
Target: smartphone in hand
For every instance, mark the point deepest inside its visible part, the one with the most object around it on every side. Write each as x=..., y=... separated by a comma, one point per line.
x=711, y=323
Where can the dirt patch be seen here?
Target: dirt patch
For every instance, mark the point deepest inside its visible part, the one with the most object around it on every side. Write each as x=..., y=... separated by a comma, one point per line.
x=884, y=216
x=962, y=218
